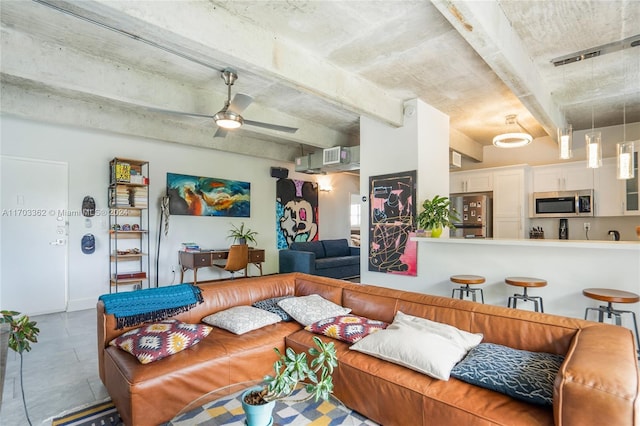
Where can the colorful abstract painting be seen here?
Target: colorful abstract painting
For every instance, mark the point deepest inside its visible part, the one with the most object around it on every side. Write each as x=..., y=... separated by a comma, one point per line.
x=204, y=196
x=296, y=211
x=392, y=211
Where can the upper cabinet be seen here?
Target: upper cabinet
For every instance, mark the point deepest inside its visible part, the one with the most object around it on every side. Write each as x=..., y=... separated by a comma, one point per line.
x=509, y=203
x=562, y=177
x=471, y=181
x=630, y=191
x=612, y=196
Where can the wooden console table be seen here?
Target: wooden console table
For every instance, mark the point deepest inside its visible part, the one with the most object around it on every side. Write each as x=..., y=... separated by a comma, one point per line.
x=205, y=259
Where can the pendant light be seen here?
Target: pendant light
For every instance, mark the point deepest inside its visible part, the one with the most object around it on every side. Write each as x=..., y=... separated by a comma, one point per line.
x=625, y=150
x=565, y=140
x=512, y=139
x=594, y=149
x=593, y=141
x=565, y=134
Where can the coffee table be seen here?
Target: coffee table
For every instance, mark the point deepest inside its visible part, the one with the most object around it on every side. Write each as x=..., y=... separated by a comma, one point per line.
x=223, y=407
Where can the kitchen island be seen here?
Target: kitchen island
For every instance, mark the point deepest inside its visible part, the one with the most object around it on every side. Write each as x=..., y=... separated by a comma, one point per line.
x=569, y=266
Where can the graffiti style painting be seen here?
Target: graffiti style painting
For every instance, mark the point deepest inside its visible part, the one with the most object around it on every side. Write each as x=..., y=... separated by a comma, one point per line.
x=296, y=211
x=203, y=196
x=392, y=212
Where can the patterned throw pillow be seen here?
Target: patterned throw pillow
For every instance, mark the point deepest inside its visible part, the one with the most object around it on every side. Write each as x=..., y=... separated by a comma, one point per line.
x=159, y=340
x=523, y=375
x=271, y=305
x=242, y=319
x=309, y=309
x=348, y=328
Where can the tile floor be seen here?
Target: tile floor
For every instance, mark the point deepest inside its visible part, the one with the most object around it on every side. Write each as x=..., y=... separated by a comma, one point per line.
x=60, y=372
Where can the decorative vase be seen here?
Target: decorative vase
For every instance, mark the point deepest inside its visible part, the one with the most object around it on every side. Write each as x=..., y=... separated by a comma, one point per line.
x=258, y=415
x=436, y=232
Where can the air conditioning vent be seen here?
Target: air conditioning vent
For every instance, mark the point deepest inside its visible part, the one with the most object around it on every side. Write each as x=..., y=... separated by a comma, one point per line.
x=331, y=155
x=455, y=161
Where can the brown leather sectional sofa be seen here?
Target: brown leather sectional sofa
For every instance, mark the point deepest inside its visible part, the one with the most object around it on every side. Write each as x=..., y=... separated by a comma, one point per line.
x=598, y=383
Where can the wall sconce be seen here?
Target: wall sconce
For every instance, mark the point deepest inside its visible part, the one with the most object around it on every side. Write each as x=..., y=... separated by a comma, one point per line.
x=324, y=184
x=565, y=140
x=594, y=149
x=625, y=160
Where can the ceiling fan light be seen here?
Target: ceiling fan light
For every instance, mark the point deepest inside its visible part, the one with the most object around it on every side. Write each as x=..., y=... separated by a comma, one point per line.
x=512, y=140
x=228, y=120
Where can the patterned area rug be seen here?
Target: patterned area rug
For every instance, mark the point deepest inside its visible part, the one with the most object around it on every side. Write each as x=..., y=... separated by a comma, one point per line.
x=228, y=411
x=101, y=414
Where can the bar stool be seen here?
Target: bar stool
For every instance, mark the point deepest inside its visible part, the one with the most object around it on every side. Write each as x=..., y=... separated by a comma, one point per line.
x=525, y=282
x=467, y=280
x=612, y=296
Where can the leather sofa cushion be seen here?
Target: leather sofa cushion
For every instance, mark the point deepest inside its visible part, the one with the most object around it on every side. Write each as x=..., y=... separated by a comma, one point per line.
x=336, y=248
x=315, y=247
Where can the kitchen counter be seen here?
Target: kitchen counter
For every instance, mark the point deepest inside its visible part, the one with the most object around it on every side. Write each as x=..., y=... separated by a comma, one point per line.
x=569, y=266
x=599, y=244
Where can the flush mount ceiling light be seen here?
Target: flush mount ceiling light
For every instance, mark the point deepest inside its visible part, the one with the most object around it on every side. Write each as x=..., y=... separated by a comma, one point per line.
x=512, y=139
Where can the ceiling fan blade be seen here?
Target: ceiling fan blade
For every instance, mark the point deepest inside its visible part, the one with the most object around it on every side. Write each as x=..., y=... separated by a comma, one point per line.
x=220, y=133
x=271, y=126
x=168, y=111
x=239, y=103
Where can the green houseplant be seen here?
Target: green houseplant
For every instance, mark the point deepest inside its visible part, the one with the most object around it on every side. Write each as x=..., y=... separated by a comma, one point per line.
x=437, y=214
x=22, y=332
x=290, y=370
x=242, y=234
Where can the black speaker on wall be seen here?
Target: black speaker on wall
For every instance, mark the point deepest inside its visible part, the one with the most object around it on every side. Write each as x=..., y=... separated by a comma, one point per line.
x=279, y=172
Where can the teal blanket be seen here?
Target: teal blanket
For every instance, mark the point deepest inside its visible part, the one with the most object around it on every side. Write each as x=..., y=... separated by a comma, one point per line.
x=153, y=304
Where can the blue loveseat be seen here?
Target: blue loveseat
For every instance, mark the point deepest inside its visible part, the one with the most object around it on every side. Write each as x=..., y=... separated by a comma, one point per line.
x=328, y=258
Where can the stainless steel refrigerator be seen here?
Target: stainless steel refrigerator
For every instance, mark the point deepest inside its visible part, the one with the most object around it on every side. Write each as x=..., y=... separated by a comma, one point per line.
x=474, y=211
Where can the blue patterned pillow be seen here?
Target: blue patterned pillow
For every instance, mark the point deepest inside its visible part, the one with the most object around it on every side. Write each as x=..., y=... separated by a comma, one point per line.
x=271, y=305
x=523, y=375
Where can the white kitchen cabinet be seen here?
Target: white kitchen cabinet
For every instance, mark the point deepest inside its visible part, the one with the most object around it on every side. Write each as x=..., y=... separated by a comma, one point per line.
x=563, y=177
x=630, y=190
x=509, y=202
x=471, y=181
x=613, y=196
x=608, y=191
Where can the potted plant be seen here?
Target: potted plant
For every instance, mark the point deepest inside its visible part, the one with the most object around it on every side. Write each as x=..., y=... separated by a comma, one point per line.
x=22, y=331
x=241, y=234
x=437, y=214
x=290, y=370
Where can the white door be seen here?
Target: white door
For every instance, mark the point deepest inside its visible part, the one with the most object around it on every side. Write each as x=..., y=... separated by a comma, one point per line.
x=33, y=235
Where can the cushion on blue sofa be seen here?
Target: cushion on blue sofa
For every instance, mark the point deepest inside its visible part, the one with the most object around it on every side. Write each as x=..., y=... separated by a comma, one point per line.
x=336, y=248
x=336, y=262
x=312, y=246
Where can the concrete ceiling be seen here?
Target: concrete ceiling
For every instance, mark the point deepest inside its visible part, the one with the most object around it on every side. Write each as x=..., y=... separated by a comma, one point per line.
x=318, y=66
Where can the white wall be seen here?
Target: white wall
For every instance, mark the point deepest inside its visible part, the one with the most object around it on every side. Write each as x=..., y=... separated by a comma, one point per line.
x=88, y=152
x=422, y=144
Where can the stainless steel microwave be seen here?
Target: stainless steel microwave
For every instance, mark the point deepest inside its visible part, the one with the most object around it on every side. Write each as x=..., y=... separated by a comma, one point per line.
x=562, y=203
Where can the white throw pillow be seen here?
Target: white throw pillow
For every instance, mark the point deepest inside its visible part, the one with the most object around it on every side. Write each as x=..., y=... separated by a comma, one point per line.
x=241, y=319
x=462, y=338
x=309, y=309
x=427, y=348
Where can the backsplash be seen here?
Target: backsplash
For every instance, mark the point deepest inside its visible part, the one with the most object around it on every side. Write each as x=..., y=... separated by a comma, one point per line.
x=600, y=226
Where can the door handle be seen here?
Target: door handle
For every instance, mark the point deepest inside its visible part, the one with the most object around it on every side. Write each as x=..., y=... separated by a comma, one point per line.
x=58, y=242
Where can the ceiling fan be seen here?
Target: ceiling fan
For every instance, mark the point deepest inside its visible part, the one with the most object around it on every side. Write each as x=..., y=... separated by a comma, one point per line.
x=229, y=118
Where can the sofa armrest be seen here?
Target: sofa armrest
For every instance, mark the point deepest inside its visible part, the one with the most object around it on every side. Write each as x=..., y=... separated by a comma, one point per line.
x=297, y=261
x=599, y=380
x=354, y=251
